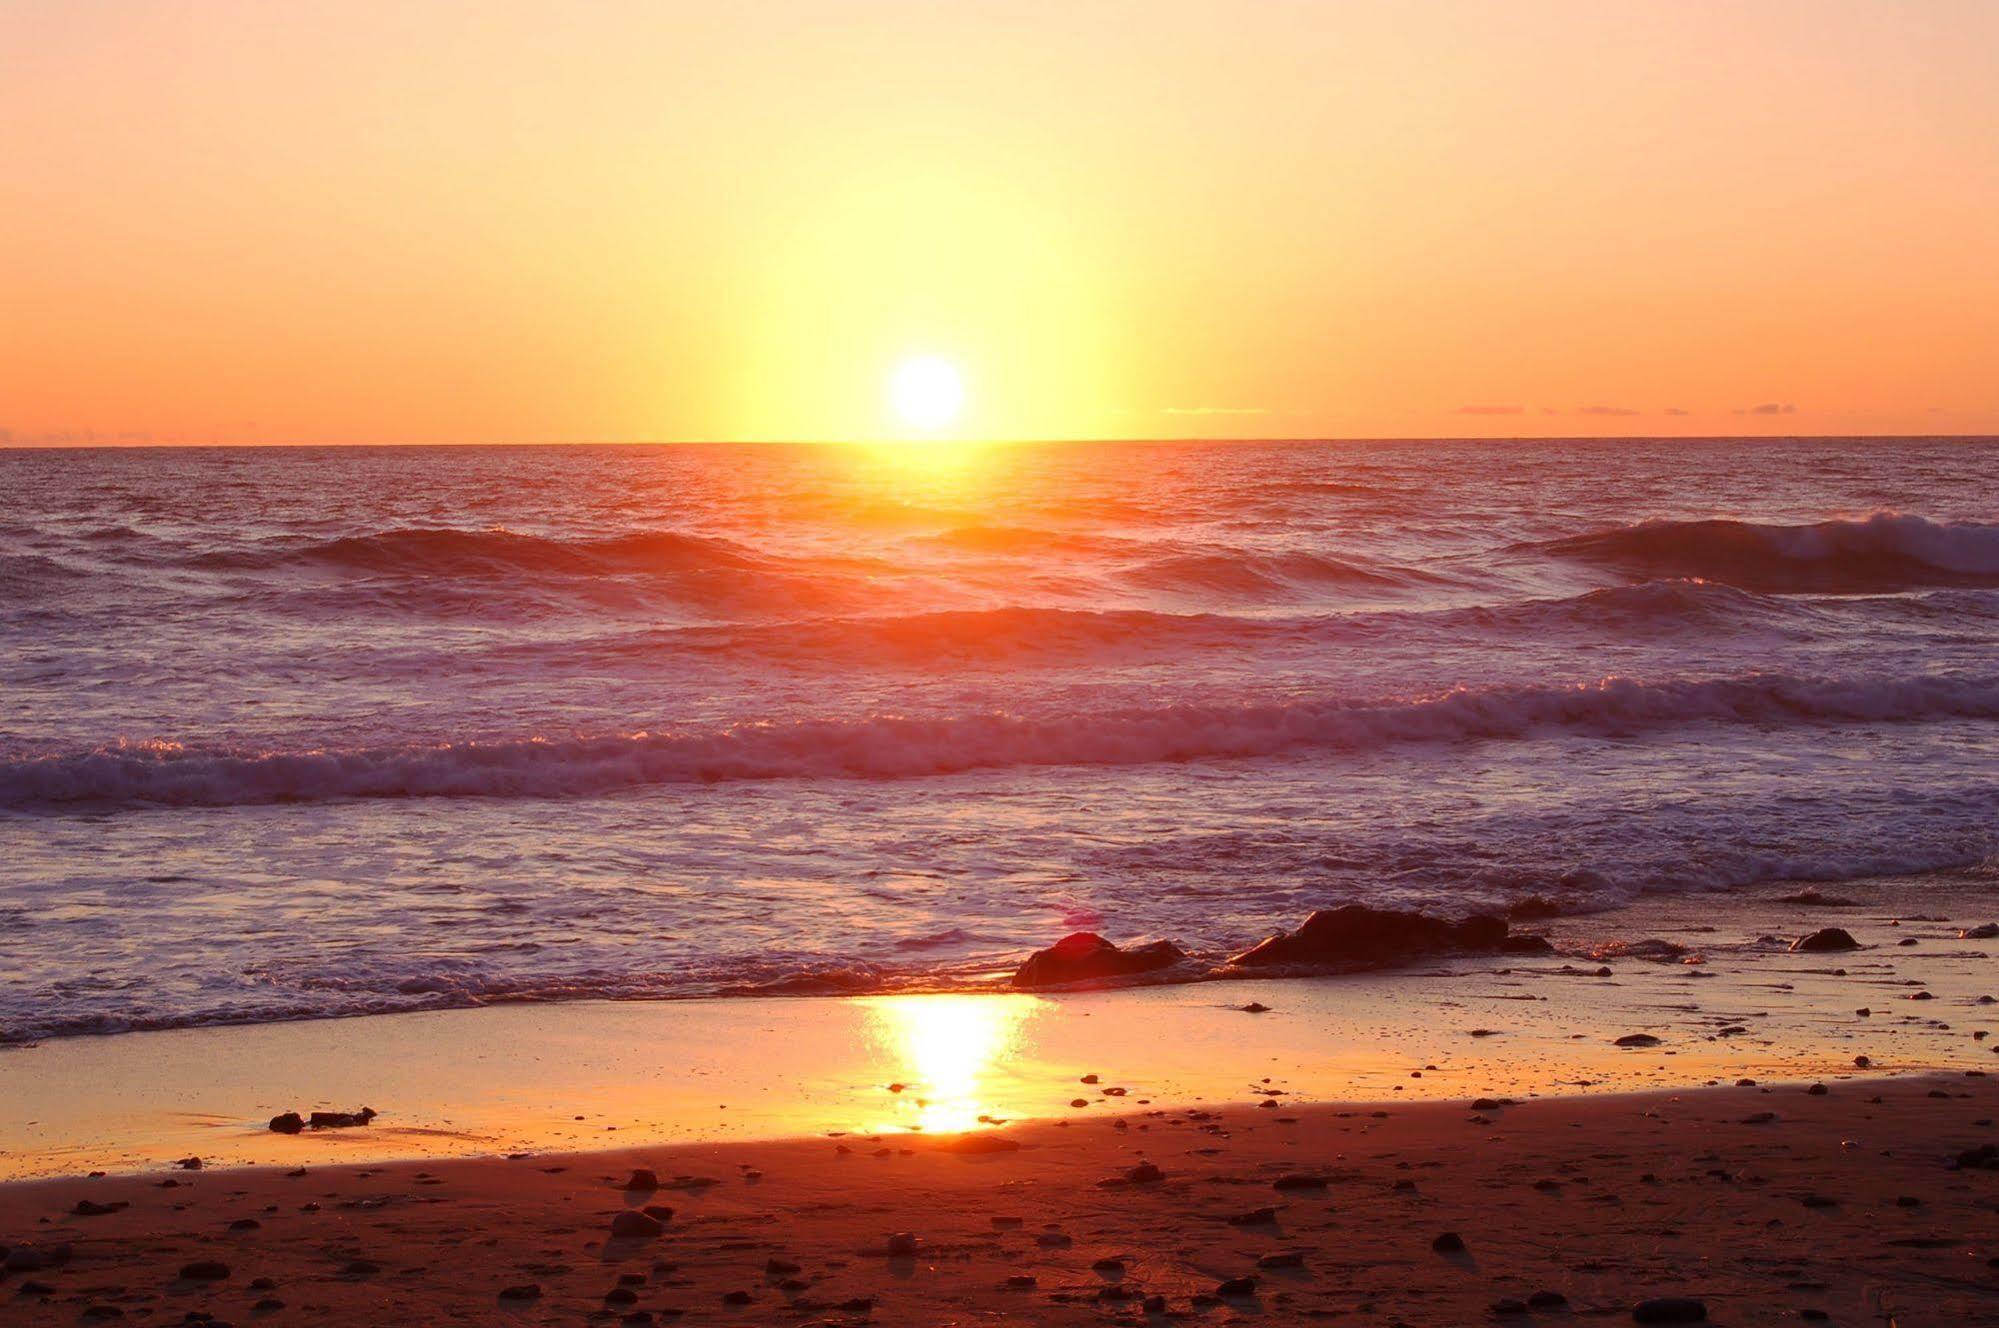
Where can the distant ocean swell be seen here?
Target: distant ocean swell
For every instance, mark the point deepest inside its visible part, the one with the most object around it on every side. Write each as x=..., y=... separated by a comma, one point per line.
x=898, y=747
x=1019, y=634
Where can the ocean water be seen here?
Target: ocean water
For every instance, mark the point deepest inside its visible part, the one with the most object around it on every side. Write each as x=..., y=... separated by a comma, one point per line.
x=304, y=732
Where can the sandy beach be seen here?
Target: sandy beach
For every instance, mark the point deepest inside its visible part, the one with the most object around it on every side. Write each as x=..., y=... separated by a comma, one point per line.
x=1671, y=1105
x=1766, y=1205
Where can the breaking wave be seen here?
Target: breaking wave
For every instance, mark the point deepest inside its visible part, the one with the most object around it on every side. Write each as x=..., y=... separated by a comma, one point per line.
x=900, y=747
x=1886, y=551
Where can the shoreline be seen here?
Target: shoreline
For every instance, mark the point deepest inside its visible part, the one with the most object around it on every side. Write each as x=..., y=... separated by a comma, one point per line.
x=587, y=1075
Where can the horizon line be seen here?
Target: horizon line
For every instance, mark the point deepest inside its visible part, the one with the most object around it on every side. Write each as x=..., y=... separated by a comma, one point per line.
x=1161, y=440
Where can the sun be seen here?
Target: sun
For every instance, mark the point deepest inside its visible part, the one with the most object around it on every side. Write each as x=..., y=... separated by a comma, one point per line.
x=927, y=392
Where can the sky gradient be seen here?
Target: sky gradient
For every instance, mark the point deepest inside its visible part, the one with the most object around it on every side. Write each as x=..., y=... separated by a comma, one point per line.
x=504, y=222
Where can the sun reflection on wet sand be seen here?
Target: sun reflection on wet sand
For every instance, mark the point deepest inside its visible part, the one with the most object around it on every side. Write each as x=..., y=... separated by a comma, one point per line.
x=943, y=1051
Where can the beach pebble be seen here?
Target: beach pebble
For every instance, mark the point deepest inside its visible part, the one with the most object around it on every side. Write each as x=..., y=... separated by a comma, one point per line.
x=204, y=1270
x=1237, y=1286
x=642, y=1180
x=1822, y=941
x=1670, y=1309
x=289, y=1122
x=635, y=1226
x=525, y=1291
x=1637, y=1040
x=902, y=1245
x=1449, y=1243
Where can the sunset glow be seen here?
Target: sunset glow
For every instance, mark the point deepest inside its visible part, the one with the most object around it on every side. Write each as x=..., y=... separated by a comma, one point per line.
x=381, y=222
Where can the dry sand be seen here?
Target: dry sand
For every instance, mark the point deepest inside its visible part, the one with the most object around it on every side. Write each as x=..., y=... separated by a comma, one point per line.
x=1767, y=1205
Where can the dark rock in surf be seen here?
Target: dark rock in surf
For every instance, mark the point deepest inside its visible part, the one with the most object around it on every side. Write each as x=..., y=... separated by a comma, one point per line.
x=1670, y=1309
x=1088, y=957
x=288, y=1123
x=1533, y=908
x=1526, y=945
x=1358, y=935
x=1817, y=899
x=1824, y=941
x=1983, y=932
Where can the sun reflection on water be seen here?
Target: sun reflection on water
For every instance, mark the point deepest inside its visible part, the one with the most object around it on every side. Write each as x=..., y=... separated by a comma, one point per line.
x=945, y=1052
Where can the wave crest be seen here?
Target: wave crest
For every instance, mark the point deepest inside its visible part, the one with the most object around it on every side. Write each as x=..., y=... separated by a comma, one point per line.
x=1886, y=551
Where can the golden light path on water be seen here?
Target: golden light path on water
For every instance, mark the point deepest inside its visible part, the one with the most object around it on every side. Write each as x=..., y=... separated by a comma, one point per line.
x=946, y=1051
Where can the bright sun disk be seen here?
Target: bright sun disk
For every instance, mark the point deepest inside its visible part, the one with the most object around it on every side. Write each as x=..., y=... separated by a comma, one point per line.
x=927, y=392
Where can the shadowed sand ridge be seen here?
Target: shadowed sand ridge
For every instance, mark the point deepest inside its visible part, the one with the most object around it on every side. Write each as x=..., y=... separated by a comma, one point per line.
x=1763, y=1204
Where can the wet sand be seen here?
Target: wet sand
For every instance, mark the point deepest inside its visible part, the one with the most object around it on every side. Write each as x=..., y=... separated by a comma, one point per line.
x=1728, y=1004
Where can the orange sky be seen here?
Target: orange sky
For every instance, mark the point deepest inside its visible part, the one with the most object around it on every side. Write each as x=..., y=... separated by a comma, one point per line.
x=499, y=221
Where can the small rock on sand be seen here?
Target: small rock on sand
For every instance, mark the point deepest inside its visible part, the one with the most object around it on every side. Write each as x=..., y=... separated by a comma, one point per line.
x=635, y=1226
x=1822, y=941
x=1670, y=1309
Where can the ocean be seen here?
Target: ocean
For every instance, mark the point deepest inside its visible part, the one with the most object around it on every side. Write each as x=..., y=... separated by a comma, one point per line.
x=303, y=732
